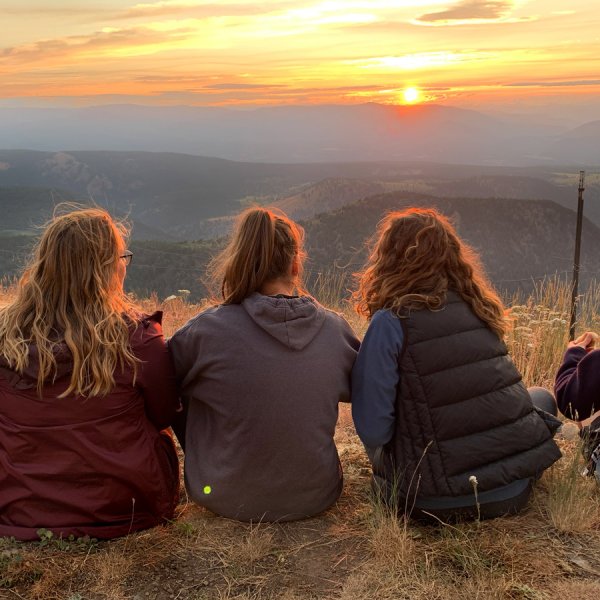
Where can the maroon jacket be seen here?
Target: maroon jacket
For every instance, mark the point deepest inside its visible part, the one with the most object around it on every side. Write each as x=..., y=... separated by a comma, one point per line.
x=96, y=466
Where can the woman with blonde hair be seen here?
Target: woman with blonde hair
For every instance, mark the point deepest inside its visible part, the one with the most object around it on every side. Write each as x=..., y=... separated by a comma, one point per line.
x=447, y=422
x=261, y=374
x=86, y=389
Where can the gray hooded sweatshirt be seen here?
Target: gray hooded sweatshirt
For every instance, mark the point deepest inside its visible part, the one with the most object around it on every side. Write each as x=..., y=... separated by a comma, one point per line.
x=261, y=381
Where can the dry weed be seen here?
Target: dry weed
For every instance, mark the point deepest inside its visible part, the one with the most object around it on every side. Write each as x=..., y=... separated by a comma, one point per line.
x=254, y=544
x=571, y=502
x=579, y=589
x=538, y=332
x=109, y=572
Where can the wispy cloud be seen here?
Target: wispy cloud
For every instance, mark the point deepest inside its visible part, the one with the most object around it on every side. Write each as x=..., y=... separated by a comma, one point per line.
x=45, y=11
x=554, y=83
x=194, y=9
x=422, y=60
x=470, y=10
x=133, y=40
x=242, y=86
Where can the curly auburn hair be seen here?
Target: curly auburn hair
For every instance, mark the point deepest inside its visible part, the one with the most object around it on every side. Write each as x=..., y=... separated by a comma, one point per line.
x=416, y=258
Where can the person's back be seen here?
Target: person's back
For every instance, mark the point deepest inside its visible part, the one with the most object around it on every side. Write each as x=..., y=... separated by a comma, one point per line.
x=263, y=388
x=262, y=378
x=449, y=427
x=467, y=397
x=81, y=451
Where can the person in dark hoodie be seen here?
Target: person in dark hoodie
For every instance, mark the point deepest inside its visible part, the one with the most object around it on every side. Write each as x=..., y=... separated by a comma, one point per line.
x=86, y=386
x=577, y=388
x=577, y=384
x=447, y=422
x=261, y=374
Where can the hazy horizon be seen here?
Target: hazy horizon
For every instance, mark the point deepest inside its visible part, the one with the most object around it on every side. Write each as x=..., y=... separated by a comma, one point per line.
x=307, y=133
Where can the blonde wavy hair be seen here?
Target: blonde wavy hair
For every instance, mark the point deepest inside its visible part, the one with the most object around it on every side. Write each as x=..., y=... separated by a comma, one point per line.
x=72, y=292
x=262, y=247
x=416, y=258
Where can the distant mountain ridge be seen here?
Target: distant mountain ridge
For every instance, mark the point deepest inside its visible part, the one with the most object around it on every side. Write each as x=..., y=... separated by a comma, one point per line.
x=324, y=196
x=509, y=214
x=315, y=133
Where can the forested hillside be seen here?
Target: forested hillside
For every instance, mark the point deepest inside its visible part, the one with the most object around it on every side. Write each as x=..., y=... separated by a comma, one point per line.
x=520, y=242
x=23, y=209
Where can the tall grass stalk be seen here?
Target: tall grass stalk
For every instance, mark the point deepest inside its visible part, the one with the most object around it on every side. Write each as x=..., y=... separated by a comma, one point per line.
x=539, y=327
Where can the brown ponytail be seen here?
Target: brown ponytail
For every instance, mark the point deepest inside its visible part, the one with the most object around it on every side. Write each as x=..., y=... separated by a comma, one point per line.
x=261, y=249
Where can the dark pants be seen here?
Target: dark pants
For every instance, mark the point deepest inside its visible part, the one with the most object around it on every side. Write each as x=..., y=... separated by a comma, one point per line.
x=543, y=400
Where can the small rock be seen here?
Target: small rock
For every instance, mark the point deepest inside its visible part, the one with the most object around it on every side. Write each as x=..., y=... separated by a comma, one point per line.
x=569, y=431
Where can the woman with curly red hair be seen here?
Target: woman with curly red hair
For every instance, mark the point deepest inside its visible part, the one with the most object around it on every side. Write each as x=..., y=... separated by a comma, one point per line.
x=447, y=422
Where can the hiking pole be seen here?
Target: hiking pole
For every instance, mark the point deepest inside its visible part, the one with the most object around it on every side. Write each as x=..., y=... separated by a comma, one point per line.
x=576, y=259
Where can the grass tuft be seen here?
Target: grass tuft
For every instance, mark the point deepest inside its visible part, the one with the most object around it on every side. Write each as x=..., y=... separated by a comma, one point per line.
x=572, y=501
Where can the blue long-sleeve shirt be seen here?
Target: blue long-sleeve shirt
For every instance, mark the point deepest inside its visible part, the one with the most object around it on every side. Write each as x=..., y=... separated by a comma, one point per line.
x=375, y=378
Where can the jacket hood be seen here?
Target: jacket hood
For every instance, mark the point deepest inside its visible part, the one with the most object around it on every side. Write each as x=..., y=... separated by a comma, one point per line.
x=292, y=321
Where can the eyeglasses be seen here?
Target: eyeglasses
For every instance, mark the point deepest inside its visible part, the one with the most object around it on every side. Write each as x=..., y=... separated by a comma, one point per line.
x=127, y=257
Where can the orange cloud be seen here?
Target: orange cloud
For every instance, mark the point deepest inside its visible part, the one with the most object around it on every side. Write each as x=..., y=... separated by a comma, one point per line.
x=469, y=10
x=576, y=83
x=96, y=44
x=194, y=10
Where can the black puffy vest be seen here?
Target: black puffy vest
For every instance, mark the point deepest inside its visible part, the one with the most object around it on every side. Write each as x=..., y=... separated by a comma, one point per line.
x=462, y=409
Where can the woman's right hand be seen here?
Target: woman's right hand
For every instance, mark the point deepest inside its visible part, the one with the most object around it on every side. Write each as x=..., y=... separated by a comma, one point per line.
x=588, y=341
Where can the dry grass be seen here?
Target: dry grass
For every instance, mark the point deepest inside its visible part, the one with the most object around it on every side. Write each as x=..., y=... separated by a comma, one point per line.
x=572, y=502
x=358, y=550
x=540, y=328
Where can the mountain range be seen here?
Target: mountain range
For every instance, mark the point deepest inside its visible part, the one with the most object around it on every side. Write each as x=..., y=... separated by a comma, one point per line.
x=178, y=197
x=319, y=133
x=180, y=206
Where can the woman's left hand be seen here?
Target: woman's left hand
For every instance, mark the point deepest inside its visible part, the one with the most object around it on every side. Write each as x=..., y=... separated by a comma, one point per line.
x=587, y=341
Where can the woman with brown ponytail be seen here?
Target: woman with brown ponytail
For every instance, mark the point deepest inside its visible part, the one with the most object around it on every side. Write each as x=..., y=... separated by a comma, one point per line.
x=86, y=388
x=447, y=422
x=261, y=374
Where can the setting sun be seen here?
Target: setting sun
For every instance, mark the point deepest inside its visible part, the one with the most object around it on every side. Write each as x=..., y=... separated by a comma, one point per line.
x=411, y=95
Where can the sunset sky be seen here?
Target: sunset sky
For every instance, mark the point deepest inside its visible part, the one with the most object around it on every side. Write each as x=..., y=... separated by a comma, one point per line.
x=240, y=52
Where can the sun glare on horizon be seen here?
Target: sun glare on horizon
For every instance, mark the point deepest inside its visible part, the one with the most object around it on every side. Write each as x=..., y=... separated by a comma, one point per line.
x=411, y=95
